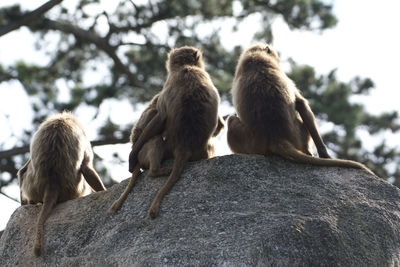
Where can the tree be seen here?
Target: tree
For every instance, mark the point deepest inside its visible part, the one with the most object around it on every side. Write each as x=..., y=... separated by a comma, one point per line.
x=127, y=43
x=330, y=100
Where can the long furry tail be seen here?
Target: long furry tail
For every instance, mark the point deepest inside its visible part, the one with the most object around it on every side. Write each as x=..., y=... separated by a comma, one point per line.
x=288, y=151
x=179, y=163
x=118, y=203
x=49, y=202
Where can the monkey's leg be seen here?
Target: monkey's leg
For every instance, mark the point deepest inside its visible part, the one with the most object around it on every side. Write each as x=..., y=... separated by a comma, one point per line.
x=118, y=203
x=23, y=201
x=154, y=127
x=238, y=135
x=181, y=158
x=155, y=156
x=158, y=172
x=21, y=174
x=49, y=201
x=303, y=137
x=92, y=177
x=309, y=121
x=152, y=154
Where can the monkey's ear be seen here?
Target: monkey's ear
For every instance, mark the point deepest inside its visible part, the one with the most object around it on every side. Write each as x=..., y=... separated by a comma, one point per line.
x=196, y=55
x=267, y=49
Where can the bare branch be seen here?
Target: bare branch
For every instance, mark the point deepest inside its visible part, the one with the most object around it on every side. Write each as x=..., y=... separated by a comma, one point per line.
x=4, y=194
x=14, y=151
x=4, y=76
x=110, y=141
x=25, y=149
x=27, y=18
x=134, y=5
x=102, y=43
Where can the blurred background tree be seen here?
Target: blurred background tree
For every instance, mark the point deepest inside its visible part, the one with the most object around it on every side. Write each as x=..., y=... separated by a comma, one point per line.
x=98, y=51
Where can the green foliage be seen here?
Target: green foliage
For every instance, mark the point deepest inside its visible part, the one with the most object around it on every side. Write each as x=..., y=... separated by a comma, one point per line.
x=330, y=100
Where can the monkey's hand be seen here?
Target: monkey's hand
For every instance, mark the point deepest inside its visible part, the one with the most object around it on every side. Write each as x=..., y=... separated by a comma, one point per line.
x=133, y=160
x=324, y=154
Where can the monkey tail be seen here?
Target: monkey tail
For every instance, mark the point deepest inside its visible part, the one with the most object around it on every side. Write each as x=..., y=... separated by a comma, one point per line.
x=288, y=151
x=118, y=203
x=49, y=201
x=179, y=163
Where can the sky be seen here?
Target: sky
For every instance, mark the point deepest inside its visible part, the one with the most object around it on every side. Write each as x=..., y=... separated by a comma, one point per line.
x=365, y=43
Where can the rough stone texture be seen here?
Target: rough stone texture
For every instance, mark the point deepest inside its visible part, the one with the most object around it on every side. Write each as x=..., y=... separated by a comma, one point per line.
x=234, y=210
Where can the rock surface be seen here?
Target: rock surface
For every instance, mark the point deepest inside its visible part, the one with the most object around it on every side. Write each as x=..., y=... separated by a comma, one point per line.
x=234, y=210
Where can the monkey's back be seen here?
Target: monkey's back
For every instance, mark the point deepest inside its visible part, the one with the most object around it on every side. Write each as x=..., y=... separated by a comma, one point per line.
x=191, y=103
x=57, y=152
x=264, y=97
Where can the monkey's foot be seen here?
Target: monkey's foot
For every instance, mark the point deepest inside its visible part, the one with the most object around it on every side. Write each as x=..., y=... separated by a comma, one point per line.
x=37, y=249
x=153, y=211
x=133, y=160
x=115, y=206
x=324, y=154
x=160, y=172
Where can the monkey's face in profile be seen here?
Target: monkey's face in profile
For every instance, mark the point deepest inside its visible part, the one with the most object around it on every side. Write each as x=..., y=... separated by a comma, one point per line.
x=186, y=55
x=264, y=48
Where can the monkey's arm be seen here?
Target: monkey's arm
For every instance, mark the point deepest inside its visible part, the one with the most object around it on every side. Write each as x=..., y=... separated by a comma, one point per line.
x=220, y=126
x=92, y=178
x=309, y=121
x=154, y=127
x=144, y=119
x=20, y=174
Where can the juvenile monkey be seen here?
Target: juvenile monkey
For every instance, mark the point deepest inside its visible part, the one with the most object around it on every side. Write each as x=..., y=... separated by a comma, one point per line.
x=153, y=152
x=60, y=155
x=273, y=117
x=150, y=156
x=187, y=114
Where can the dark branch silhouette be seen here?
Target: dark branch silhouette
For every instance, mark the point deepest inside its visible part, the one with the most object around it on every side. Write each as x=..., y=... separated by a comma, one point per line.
x=27, y=18
x=25, y=149
x=7, y=196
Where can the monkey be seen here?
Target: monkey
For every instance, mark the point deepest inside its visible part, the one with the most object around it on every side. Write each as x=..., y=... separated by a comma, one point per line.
x=61, y=156
x=187, y=114
x=150, y=156
x=154, y=152
x=272, y=115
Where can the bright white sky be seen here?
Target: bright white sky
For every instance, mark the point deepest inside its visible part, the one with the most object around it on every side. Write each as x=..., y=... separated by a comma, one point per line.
x=364, y=43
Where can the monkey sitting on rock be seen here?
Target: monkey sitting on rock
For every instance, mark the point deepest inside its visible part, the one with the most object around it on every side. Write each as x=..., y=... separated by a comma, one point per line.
x=186, y=114
x=60, y=168
x=273, y=117
x=153, y=152
x=150, y=156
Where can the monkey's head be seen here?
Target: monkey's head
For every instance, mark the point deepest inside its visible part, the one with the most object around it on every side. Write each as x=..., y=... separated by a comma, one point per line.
x=186, y=55
x=264, y=48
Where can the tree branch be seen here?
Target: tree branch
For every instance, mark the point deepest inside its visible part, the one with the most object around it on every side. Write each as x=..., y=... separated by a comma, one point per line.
x=4, y=76
x=91, y=37
x=4, y=194
x=25, y=149
x=27, y=18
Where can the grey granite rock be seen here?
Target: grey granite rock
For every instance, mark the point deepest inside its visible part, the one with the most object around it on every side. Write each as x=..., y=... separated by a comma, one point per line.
x=234, y=210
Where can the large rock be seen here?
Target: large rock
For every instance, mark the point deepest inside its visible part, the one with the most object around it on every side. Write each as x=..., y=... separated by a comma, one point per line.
x=234, y=210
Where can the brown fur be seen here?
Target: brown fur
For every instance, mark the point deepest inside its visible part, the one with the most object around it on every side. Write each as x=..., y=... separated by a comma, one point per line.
x=187, y=110
x=61, y=155
x=150, y=156
x=154, y=152
x=273, y=117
